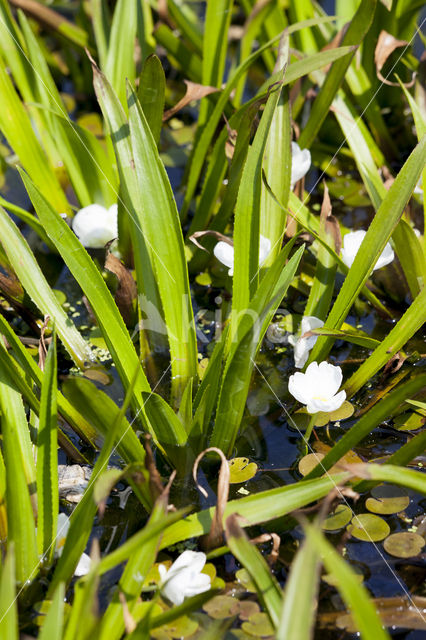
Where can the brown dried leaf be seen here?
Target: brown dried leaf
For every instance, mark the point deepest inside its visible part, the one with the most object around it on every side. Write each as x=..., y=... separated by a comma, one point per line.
x=215, y=536
x=386, y=44
x=331, y=226
x=155, y=484
x=129, y=621
x=272, y=557
x=335, y=43
x=10, y=285
x=194, y=91
x=215, y=234
x=394, y=364
x=127, y=291
x=42, y=346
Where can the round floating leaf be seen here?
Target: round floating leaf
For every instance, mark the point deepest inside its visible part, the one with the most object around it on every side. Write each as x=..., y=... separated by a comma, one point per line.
x=387, y=499
x=92, y=122
x=247, y=609
x=404, y=544
x=202, y=366
x=300, y=420
x=240, y=634
x=258, y=625
x=342, y=413
x=368, y=527
x=243, y=578
x=97, y=339
x=350, y=456
x=180, y=628
x=204, y=279
x=70, y=104
x=60, y=296
x=221, y=607
x=309, y=462
x=409, y=421
x=338, y=518
x=98, y=374
x=241, y=470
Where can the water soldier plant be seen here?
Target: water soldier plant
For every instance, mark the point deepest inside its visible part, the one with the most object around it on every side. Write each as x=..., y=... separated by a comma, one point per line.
x=199, y=198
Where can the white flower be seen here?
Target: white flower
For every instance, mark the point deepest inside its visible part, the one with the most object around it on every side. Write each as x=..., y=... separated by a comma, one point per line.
x=317, y=388
x=224, y=252
x=300, y=163
x=302, y=346
x=184, y=578
x=418, y=189
x=95, y=225
x=351, y=244
x=83, y=566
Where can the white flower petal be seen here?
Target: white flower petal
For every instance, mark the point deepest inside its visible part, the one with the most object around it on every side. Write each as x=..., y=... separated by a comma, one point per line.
x=297, y=387
x=184, y=578
x=224, y=252
x=387, y=256
x=83, y=566
x=303, y=346
x=264, y=249
x=301, y=352
x=326, y=405
x=351, y=244
x=300, y=162
x=331, y=375
x=95, y=226
x=62, y=530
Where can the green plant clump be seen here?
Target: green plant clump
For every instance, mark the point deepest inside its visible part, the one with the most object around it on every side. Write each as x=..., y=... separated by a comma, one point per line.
x=212, y=254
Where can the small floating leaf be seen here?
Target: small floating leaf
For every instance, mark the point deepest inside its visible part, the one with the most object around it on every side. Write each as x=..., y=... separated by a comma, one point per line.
x=409, y=421
x=337, y=518
x=98, y=374
x=247, y=609
x=368, y=527
x=241, y=470
x=342, y=413
x=221, y=607
x=204, y=279
x=387, y=499
x=258, y=625
x=300, y=420
x=404, y=544
x=243, y=578
x=60, y=295
x=202, y=366
x=180, y=628
x=309, y=462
